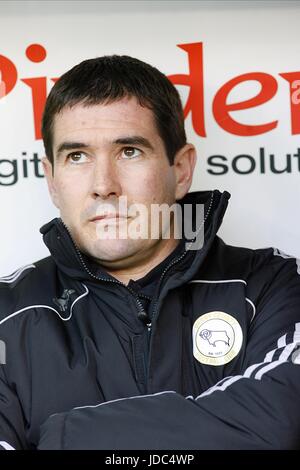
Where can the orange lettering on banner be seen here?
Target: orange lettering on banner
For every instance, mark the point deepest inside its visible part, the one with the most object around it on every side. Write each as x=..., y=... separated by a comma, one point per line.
x=8, y=75
x=294, y=80
x=221, y=109
x=195, y=102
x=37, y=53
x=194, y=80
x=39, y=95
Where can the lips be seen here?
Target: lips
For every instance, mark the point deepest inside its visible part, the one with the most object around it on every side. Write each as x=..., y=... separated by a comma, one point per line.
x=106, y=217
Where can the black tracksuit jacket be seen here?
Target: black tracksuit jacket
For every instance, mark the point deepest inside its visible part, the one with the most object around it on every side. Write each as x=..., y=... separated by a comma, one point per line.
x=215, y=365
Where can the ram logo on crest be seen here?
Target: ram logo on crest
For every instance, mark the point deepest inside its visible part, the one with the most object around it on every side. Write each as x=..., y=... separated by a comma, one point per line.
x=213, y=336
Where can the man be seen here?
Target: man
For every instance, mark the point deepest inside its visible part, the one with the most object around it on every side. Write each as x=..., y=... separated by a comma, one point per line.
x=123, y=340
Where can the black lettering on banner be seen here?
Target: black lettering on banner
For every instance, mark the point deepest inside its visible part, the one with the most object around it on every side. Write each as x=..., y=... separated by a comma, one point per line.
x=262, y=163
x=11, y=171
x=213, y=161
x=238, y=158
x=8, y=172
x=287, y=169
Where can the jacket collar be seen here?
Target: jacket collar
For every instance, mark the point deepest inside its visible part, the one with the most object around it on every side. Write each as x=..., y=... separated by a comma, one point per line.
x=76, y=265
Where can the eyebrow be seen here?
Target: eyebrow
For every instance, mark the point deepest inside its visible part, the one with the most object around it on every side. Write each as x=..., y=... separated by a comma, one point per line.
x=70, y=146
x=128, y=140
x=134, y=140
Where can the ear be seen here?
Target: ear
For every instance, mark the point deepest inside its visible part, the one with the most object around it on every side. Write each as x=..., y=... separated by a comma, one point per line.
x=49, y=174
x=184, y=165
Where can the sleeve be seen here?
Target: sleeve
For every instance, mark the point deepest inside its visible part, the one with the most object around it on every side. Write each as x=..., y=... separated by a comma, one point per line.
x=256, y=409
x=12, y=426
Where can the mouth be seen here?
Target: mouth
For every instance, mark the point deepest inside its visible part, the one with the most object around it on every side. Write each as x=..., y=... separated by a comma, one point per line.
x=109, y=218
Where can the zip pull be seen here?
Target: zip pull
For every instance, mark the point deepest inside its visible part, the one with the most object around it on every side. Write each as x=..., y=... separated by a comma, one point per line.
x=142, y=315
x=149, y=325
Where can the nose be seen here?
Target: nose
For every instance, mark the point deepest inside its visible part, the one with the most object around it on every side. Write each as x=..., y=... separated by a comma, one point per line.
x=106, y=182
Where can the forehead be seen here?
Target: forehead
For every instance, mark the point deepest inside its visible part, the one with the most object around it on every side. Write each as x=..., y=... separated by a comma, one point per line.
x=119, y=116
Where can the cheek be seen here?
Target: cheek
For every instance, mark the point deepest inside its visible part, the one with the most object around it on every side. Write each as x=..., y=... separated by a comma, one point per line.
x=71, y=196
x=153, y=188
x=163, y=185
x=143, y=189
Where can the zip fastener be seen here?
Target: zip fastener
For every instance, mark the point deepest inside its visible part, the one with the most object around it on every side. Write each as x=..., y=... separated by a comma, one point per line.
x=141, y=310
x=161, y=278
x=147, y=298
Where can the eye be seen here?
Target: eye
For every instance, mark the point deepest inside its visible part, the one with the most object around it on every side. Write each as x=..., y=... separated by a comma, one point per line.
x=131, y=152
x=77, y=158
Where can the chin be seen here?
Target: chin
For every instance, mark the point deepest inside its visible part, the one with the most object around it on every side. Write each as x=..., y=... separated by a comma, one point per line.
x=113, y=250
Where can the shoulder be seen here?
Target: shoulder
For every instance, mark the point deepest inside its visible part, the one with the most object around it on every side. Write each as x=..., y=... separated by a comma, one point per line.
x=26, y=272
x=26, y=286
x=262, y=264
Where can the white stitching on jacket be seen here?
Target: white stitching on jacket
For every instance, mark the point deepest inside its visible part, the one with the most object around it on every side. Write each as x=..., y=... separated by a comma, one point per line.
x=284, y=356
x=116, y=400
x=253, y=306
x=6, y=445
x=228, y=281
x=13, y=277
x=217, y=282
x=47, y=307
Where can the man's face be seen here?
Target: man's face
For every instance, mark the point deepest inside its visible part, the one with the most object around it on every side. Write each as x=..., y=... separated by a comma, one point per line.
x=103, y=152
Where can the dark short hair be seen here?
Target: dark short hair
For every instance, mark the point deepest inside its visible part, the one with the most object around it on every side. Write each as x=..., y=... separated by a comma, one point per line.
x=111, y=78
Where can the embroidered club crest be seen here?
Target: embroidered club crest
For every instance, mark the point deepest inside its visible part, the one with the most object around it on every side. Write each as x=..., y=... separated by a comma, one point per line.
x=217, y=338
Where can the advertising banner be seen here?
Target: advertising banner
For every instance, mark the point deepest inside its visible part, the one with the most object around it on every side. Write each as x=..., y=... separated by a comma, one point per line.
x=236, y=66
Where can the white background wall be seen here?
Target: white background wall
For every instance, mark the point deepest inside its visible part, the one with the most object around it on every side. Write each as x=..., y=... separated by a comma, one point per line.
x=238, y=38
